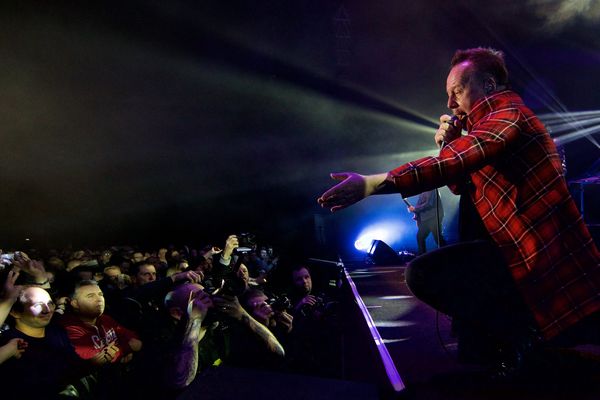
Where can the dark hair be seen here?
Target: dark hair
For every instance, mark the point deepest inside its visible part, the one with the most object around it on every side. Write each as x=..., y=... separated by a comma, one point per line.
x=248, y=294
x=484, y=61
x=135, y=268
x=298, y=267
x=84, y=268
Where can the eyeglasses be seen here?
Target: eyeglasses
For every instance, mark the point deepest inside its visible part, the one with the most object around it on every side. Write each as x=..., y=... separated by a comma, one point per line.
x=39, y=306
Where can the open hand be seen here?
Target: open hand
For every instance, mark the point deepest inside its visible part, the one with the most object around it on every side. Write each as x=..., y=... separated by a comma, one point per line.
x=231, y=244
x=11, y=291
x=350, y=190
x=34, y=268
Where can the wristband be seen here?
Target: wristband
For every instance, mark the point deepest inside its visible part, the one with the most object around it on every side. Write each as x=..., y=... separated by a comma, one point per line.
x=224, y=261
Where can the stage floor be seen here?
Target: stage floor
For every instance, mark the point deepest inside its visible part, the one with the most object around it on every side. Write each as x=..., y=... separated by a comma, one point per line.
x=424, y=350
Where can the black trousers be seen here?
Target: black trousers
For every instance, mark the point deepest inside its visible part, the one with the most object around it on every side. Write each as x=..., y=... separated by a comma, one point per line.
x=471, y=282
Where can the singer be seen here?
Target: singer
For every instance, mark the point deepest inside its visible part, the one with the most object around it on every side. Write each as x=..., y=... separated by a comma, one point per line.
x=526, y=271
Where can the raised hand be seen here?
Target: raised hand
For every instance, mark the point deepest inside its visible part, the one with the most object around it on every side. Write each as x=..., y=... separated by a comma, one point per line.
x=10, y=290
x=231, y=244
x=34, y=268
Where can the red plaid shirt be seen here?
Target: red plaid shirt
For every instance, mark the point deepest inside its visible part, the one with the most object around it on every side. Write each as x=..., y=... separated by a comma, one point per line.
x=517, y=186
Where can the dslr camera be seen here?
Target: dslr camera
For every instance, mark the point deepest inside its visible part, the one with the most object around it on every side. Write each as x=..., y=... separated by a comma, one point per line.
x=324, y=306
x=280, y=303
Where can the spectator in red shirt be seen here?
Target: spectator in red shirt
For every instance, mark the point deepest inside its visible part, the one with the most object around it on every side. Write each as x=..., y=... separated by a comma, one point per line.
x=96, y=336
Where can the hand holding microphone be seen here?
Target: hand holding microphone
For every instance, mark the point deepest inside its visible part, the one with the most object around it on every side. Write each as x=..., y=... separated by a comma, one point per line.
x=450, y=128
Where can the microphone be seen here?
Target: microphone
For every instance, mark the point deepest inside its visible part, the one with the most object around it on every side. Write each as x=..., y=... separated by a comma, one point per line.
x=451, y=122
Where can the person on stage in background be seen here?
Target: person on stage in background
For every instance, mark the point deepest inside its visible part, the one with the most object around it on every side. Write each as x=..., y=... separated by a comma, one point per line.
x=429, y=214
x=533, y=274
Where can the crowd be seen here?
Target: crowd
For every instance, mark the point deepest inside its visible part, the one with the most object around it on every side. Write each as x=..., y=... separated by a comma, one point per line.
x=125, y=322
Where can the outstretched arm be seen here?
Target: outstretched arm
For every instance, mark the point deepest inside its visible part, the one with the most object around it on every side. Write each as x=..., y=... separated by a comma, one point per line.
x=353, y=188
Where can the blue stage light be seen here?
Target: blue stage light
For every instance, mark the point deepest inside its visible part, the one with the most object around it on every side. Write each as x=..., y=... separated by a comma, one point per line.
x=387, y=231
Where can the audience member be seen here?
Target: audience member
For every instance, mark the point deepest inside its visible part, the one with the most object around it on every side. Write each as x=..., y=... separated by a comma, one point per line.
x=103, y=344
x=142, y=302
x=104, y=259
x=95, y=336
x=48, y=365
x=173, y=353
x=243, y=275
x=302, y=298
x=278, y=320
x=178, y=266
x=137, y=257
x=250, y=343
x=315, y=345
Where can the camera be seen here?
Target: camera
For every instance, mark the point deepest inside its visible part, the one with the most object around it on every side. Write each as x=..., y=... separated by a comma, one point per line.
x=280, y=303
x=8, y=258
x=324, y=306
x=246, y=242
x=308, y=310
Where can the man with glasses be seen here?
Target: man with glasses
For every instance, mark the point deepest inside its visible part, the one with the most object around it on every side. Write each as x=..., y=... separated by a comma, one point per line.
x=48, y=364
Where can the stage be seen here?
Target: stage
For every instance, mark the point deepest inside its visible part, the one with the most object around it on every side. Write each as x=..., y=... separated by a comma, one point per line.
x=424, y=351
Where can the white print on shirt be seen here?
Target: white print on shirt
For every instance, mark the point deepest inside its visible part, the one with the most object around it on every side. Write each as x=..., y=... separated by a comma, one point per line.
x=109, y=337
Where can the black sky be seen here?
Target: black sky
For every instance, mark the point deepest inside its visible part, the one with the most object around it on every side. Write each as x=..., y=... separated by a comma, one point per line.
x=153, y=121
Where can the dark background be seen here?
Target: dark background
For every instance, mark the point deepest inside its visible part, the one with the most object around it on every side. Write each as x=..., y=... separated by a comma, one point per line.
x=146, y=122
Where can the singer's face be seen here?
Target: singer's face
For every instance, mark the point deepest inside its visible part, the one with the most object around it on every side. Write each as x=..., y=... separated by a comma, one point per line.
x=463, y=88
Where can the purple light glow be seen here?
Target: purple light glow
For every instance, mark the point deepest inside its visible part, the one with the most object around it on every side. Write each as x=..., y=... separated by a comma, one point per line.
x=390, y=368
